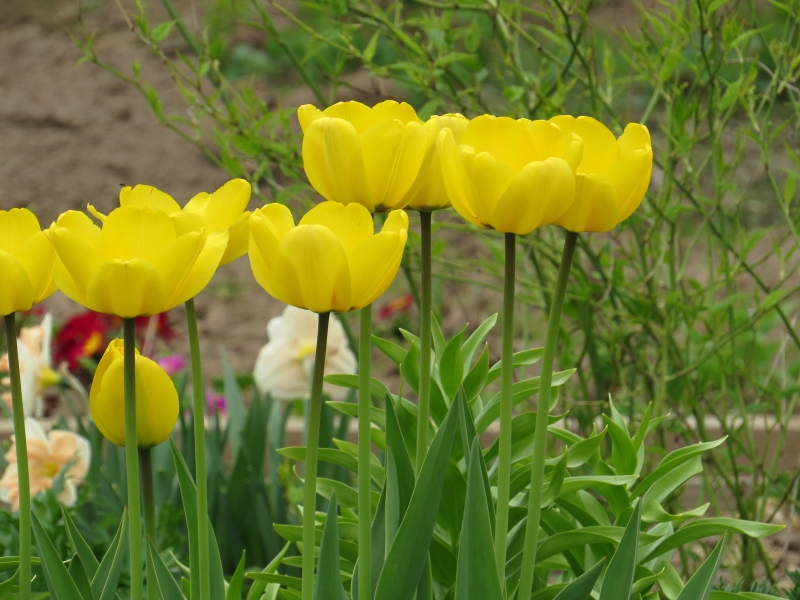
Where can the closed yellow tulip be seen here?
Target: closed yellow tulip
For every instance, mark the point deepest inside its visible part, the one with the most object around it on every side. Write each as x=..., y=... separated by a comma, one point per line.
x=510, y=175
x=611, y=179
x=156, y=399
x=331, y=261
x=26, y=261
x=224, y=210
x=136, y=265
x=354, y=154
x=430, y=193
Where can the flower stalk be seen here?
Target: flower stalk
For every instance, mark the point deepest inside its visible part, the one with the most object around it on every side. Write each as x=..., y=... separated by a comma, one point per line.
x=542, y=417
x=312, y=451
x=21, y=444
x=132, y=458
x=425, y=338
x=364, y=455
x=507, y=380
x=148, y=497
x=199, y=406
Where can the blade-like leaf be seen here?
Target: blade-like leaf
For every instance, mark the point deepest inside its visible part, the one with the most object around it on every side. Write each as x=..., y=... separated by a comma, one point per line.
x=82, y=549
x=618, y=579
x=581, y=588
x=62, y=585
x=409, y=551
x=700, y=585
x=233, y=403
x=474, y=341
x=106, y=578
x=378, y=545
x=258, y=588
x=235, y=585
x=329, y=581
x=451, y=366
x=167, y=586
x=78, y=574
x=476, y=577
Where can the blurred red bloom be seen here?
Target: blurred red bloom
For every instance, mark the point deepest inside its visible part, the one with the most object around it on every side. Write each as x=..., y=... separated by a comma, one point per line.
x=396, y=306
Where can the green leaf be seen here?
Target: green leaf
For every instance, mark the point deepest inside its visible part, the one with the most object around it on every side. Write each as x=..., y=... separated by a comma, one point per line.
x=372, y=46
x=339, y=7
x=672, y=460
x=520, y=359
x=469, y=347
x=408, y=553
x=623, y=452
x=451, y=366
x=395, y=353
x=551, y=492
x=410, y=367
x=293, y=583
x=329, y=581
x=618, y=579
x=9, y=586
x=717, y=595
x=78, y=574
x=476, y=577
x=167, y=586
x=401, y=487
x=437, y=335
x=235, y=585
x=702, y=582
x=106, y=578
x=475, y=380
x=581, y=588
x=62, y=585
x=258, y=588
x=82, y=549
x=378, y=546
x=160, y=32
x=234, y=404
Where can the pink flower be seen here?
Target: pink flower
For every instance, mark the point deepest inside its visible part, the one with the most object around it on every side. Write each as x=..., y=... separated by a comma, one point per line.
x=216, y=403
x=172, y=364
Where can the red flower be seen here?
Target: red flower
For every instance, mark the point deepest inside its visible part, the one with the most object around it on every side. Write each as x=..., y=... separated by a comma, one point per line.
x=396, y=306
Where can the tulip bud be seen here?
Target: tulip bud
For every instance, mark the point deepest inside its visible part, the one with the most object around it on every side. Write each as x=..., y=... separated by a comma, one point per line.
x=156, y=399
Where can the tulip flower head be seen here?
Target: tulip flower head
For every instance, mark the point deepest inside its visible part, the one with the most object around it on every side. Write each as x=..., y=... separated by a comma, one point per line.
x=156, y=399
x=611, y=179
x=284, y=366
x=331, y=261
x=356, y=154
x=48, y=456
x=430, y=193
x=26, y=261
x=224, y=210
x=139, y=263
x=511, y=176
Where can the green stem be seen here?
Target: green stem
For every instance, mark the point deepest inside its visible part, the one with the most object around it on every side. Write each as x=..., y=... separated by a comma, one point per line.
x=132, y=458
x=507, y=379
x=542, y=417
x=149, y=499
x=21, y=445
x=201, y=476
x=364, y=456
x=312, y=450
x=425, y=340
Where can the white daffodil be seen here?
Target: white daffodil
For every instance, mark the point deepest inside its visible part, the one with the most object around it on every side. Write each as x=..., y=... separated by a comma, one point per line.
x=49, y=455
x=35, y=366
x=285, y=365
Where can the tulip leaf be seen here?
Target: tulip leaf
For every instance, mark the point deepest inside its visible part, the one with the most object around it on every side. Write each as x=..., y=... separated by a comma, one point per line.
x=398, y=498
x=167, y=586
x=378, y=545
x=82, y=549
x=581, y=588
x=476, y=577
x=9, y=586
x=235, y=585
x=410, y=367
x=395, y=353
x=523, y=358
x=408, y=553
x=234, y=404
x=59, y=581
x=618, y=579
x=78, y=574
x=329, y=581
x=470, y=346
x=437, y=335
x=258, y=588
x=702, y=582
x=106, y=578
x=451, y=366
x=475, y=380
x=293, y=583
x=623, y=452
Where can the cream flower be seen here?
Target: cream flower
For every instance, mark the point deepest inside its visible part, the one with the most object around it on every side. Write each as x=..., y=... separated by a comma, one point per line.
x=48, y=456
x=35, y=366
x=285, y=365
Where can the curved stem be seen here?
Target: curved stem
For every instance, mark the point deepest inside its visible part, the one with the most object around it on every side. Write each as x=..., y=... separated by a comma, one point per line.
x=132, y=458
x=201, y=477
x=312, y=451
x=507, y=380
x=542, y=417
x=425, y=340
x=148, y=496
x=364, y=456
x=21, y=446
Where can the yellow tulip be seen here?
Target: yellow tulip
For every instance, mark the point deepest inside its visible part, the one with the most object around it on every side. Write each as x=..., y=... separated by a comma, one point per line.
x=224, y=210
x=331, y=261
x=511, y=176
x=136, y=265
x=354, y=154
x=156, y=399
x=429, y=193
x=26, y=261
x=611, y=179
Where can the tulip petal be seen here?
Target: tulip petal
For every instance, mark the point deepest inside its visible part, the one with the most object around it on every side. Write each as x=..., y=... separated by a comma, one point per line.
x=393, y=154
x=16, y=226
x=600, y=149
x=357, y=114
x=311, y=271
x=630, y=177
x=456, y=181
x=188, y=264
x=307, y=114
x=130, y=288
x=331, y=148
x=352, y=224
x=130, y=232
x=37, y=257
x=374, y=264
x=537, y=195
x=261, y=272
x=196, y=205
x=227, y=204
x=17, y=291
x=279, y=373
x=489, y=178
x=147, y=196
x=268, y=226
x=76, y=264
x=506, y=139
x=595, y=207
x=635, y=137
x=187, y=222
x=82, y=226
x=238, y=239
x=390, y=110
